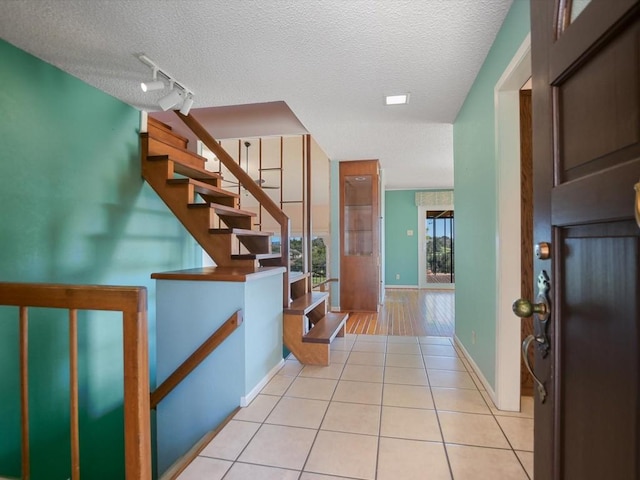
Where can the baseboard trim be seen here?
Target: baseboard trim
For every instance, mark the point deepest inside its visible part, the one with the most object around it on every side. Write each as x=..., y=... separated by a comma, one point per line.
x=485, y=383
x=247, y=399
x=391, y=287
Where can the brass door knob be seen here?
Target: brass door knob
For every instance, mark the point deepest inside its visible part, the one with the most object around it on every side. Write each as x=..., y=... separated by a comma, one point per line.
x=524, y=308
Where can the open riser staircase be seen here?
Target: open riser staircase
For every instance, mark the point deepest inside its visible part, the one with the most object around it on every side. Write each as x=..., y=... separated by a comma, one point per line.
x=213, y=217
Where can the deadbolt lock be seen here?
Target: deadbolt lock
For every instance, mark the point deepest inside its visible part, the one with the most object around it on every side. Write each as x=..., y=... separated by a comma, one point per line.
x=543, y=251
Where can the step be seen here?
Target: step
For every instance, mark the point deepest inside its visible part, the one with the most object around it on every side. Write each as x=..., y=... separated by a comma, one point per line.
x=200, y=174
x=298, y=283
x=255, y=256
x=305, y=303
x=239, y=232
x=224, y=210
x=177, y=154
x=164, y=132
x=254, y=241
x=326, y=329
x=210, y=193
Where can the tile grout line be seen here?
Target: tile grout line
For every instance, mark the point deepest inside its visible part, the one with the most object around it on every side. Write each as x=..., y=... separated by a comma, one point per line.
x=435, y=408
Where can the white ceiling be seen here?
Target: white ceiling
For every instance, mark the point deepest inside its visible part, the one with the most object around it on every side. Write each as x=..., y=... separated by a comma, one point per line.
x=330, y=61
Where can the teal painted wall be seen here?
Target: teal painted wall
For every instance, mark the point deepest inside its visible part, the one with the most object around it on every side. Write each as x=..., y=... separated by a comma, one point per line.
x=401, y=250
x=74, y=210
x=475, y=197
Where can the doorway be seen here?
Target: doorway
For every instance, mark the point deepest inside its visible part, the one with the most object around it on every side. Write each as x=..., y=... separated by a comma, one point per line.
x=439, y=249
x=508, y=241
x=436, y=247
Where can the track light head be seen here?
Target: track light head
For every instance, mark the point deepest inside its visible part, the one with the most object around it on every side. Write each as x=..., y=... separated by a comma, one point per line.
x=151, y=86
x=155, y=84
x=170, y=100
x=186, y=105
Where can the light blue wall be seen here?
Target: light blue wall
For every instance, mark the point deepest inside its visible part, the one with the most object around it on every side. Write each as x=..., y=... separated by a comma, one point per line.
x=74, y=210
x=475, y=197
x=401, y=250
x=263, y=328
x=188, y=313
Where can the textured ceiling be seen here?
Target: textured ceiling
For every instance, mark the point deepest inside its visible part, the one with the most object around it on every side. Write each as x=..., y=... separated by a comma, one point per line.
x=330, y=61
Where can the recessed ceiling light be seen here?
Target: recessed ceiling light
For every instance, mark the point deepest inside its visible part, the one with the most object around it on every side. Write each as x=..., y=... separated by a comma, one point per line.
x=396, y=99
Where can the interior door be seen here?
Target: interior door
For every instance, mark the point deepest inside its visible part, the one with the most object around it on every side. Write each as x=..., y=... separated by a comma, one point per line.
x=586, y=145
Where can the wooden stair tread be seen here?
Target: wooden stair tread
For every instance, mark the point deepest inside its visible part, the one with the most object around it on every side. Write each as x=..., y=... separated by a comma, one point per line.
x=155, y=123
x=325, y=329
x=190, y=171
x=255, y=256
x=224, y=210
x=203, y=188
x=305, y=303
x=297, y=276
x=240, y=232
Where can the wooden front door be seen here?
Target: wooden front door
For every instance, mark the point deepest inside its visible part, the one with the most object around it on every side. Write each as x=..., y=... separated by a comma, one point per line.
x=586, y=146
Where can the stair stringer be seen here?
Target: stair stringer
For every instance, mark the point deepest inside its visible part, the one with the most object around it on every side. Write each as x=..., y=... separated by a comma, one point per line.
x=294, y=328
x=197, y=221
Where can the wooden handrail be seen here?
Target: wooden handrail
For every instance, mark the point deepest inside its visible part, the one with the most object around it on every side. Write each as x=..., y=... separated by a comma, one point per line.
x=322, y=285
x=132, y=302
x=252, y=187
x=196, y=358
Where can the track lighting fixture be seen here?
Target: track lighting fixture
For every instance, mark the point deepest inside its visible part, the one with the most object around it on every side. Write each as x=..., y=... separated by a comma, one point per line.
x=155, y=84
x=171, y=99
x=178, y=91
x=187, y=104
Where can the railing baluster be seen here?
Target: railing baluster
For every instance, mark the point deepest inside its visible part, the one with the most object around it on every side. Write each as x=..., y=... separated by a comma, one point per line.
x=132, y=302
x=137, y=433
x=73, y=394
x=24, y=390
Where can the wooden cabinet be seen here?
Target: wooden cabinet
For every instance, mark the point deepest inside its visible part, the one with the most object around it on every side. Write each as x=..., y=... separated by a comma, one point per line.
x=359, y=235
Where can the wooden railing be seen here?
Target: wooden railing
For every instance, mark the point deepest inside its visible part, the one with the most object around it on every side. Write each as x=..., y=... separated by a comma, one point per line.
x=196, y=358
x=132, y=302
x=253, y=188
x=322, y=286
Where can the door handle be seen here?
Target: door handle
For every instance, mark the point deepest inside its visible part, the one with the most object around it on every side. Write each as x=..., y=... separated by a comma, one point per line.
x=524, y=308
x=542, y=392
x=541, y=311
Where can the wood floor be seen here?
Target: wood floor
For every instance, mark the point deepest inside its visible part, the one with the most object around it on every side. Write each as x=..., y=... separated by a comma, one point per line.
x=413, y=312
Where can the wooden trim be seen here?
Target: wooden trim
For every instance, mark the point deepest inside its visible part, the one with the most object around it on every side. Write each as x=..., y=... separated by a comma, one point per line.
x=219, y=274
x=306, y=143
x=24, y=391
x=526, y=226
x=79, y=297
x=196, y=358
x=73, y=395
x=252, y=187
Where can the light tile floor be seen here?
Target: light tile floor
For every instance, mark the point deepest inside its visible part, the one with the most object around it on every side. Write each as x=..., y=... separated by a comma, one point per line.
x=387, y=408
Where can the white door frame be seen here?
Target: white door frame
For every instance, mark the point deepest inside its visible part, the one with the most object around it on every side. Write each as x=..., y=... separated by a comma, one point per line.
x=422, y=257
x=508, y=270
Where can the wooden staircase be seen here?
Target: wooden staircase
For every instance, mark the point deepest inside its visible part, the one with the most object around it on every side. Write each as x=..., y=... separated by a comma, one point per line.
x=309, y=327
x=197, y=199
x=213, y=217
